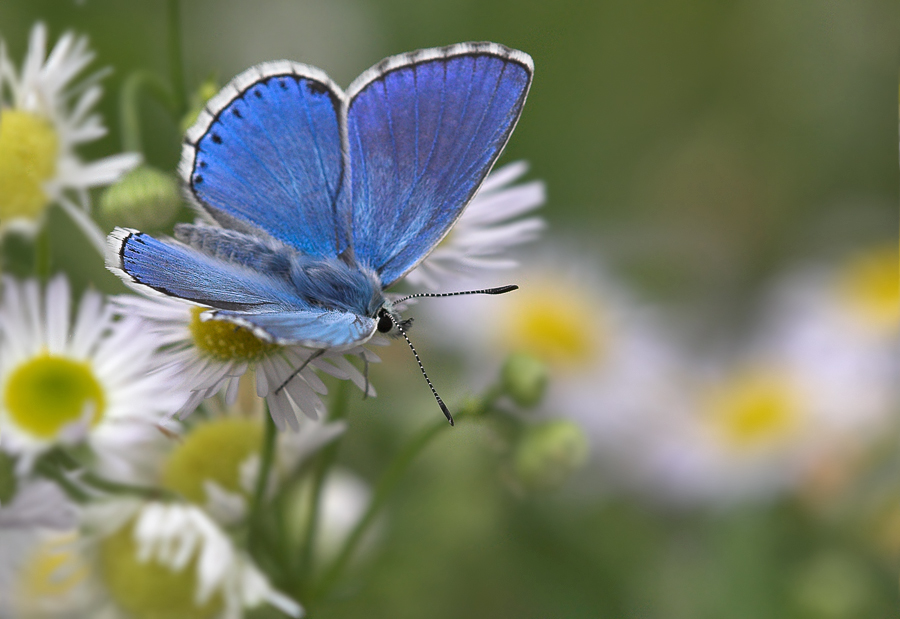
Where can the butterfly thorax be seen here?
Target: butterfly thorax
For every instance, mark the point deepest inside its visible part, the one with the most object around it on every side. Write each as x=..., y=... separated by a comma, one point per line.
x=331, y=283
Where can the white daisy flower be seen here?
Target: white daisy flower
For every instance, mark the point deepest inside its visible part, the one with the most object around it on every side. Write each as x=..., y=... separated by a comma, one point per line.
x=212, y=355
x=132, y=559
x=35, y=529
x=173, y=559
x=216, y=463
x=344, y=500
x=813, y=389
x=44, y=115
x=613, y=367
x=488, y=228
x=606, y=353
x=67, y=383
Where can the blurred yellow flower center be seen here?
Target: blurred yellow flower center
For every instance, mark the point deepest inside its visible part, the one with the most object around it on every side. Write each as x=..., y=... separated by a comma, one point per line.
x=150, y=590
x=755, y=410
x=53, y=570
x=46, y=393
x=554, y=324
x=870, y=284
x=29, y=147
x=212, y=451
x=226, y=341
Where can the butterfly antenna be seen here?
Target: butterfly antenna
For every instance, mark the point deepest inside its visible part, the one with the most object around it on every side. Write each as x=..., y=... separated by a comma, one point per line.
x=427, y=380
x=315, y=355
x=499, y=290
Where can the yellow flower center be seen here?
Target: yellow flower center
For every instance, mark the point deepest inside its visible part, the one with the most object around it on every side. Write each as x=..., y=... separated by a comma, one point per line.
x=226, y=341
x=150, y=590
x=47, y=393
x=755, y=410
x=212, y=451
x=555, y=324
x=870, y=285
x=29, y=147
x=53, y=570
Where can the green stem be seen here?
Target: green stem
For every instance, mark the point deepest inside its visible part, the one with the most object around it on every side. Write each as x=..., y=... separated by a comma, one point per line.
x=42, y=254
x=55, y=474
x=61, y=460
x=176, y=59
x=266, y=458
x=389, y=480
x=130, y=98
x=115, y=487
x=323, y=465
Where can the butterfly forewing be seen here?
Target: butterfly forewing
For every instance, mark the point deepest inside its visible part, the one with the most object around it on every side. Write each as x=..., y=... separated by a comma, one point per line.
x=268, y=154
x=423, y=130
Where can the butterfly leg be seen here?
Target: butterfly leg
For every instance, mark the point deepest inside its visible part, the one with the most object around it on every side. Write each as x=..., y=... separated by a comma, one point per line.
x=303, y=365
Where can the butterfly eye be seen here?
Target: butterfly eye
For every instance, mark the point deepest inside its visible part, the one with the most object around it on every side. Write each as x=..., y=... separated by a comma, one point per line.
x=385, y=324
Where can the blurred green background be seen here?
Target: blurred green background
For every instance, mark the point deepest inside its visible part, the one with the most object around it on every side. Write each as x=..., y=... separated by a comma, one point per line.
x=699, y=146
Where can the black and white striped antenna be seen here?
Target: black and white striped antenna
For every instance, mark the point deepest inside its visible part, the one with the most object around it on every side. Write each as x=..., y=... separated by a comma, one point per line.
x=500, y=290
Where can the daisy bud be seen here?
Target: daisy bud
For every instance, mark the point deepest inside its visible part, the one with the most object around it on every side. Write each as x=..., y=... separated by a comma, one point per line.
x=145, y=198
x=547, y=453
x=524, y=379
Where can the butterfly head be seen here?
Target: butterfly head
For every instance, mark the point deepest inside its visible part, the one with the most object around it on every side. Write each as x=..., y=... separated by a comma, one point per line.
x=390, y=322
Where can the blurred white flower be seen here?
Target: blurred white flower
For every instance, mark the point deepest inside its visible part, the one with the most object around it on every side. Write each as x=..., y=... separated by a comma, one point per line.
x=175, y=536
x=44, y=117
x=489, y=227
x=131, y=559
x=345, y=498
x=799, y=403
x=215, y=464
x=211, y=356
x=39, y=572
x=612, y=366
x=96, y=380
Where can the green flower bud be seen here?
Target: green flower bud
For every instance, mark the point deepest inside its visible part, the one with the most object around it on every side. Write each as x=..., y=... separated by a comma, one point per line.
x=547, y=453
x=524, y=379
x=144, y=198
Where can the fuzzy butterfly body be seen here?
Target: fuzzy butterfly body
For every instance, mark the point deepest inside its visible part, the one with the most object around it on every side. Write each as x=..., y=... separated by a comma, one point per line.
x=320, y=199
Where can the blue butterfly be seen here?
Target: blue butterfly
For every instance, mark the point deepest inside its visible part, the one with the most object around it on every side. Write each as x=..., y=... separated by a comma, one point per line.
x=325, y=198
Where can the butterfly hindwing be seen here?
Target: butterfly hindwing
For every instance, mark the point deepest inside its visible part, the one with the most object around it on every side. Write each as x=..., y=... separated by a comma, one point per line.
x=314, y=328
x=423, y=131
x=177, y=270
x=266, y=156
x=263, y=302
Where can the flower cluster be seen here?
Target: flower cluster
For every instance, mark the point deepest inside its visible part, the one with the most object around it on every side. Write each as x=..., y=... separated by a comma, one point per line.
x=793, y=405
